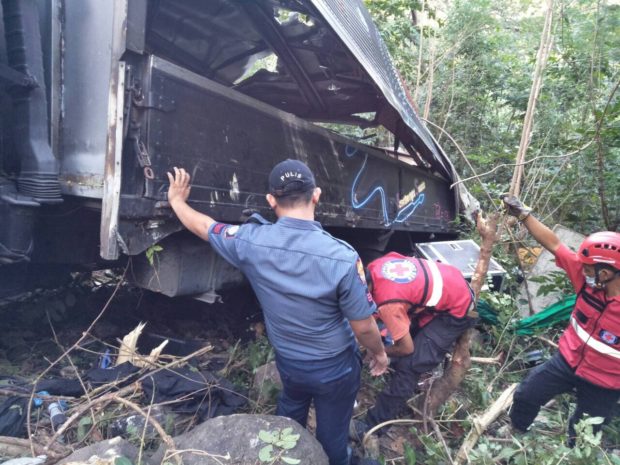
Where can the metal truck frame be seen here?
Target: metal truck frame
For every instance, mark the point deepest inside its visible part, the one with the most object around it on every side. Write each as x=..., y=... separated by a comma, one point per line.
x=102, y=98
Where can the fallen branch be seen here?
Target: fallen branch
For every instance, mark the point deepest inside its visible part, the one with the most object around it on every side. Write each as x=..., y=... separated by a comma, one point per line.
x=443, y=388
x=481, y=423
x=443, y=441
x=113, y=396
x=200, y=453
x=106, y=398
x=547, y=341
x=85, y=334
x=488, y=360
x=16, y=447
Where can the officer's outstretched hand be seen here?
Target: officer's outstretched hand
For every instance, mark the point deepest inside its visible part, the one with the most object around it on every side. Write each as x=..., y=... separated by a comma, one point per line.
x=179, y=185
x=378, y=364
x=514, y=207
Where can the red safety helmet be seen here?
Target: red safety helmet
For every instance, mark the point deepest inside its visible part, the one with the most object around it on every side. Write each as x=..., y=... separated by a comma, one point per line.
x=601, y=247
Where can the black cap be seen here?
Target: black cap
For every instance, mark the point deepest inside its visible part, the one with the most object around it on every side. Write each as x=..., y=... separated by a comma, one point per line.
x=290, y=177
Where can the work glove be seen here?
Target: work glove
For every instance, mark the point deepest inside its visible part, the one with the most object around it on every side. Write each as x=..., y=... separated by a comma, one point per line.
x=514, y=207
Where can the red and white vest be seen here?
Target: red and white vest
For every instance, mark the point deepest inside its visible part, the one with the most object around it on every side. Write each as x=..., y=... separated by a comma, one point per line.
x=421, y=283
x=591, y=343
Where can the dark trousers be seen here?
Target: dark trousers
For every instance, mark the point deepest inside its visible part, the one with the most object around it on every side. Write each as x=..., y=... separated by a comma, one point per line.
x=554, y=377
x=333, y=386
x=430, y=346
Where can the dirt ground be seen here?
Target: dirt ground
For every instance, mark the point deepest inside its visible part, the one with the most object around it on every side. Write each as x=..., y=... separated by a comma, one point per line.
x=40, y=326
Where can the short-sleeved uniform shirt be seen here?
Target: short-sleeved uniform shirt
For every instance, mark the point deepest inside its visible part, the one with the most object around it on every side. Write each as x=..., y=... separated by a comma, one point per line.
x=307, y=282
x=452, y=293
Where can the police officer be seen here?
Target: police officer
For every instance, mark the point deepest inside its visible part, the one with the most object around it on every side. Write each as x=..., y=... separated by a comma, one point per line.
x=424, y=307
x=588, y=361
x=314, y=297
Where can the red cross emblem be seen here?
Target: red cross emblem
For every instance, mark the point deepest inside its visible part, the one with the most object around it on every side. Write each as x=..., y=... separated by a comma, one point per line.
x=399, y=271
x=608, y=338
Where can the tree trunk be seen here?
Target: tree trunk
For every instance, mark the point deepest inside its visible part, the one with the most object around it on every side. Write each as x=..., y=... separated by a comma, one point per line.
x=454, y=374
x=429, y=84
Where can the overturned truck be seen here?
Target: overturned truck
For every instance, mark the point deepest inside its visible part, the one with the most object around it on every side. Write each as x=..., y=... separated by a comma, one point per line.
x=99, y=99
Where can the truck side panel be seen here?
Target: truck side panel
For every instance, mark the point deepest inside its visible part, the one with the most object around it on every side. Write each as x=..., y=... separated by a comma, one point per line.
x=229, y=142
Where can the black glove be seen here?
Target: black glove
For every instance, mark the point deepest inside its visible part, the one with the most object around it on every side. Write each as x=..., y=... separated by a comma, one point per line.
x=514, y=207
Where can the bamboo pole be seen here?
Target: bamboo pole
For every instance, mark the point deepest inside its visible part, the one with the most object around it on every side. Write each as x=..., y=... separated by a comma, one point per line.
x=481, y=423
x=526, y=133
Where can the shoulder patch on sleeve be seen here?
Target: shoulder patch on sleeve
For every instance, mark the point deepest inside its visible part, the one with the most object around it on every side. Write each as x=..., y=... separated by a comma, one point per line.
x=231, y=231
x=360, y=271
x=217, y=229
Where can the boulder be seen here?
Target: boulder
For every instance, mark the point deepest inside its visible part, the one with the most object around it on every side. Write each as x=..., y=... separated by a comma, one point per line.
x=102, y=453
x=543, y=266
x=237, y=438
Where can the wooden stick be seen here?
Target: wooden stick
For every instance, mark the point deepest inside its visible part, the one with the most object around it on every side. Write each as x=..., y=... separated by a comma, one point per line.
x=481, y=423
x=541, y=61
x=76, y=344
x=488, y=360
x=10, y=446
x=548, y=341
x=110, y=396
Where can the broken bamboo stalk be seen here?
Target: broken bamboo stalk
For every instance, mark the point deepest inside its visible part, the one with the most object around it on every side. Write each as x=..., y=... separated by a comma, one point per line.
x=481, y=423
x=526, y=134
x=547, y=341
x=443, y=388
x=488, y=360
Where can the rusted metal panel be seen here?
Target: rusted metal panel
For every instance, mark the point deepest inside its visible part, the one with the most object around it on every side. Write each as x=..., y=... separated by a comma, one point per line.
x=110, y=202
x=84, y=38
x=229, y=142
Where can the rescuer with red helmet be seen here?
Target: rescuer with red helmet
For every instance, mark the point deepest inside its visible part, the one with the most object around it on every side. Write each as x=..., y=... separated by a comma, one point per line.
x=588, y=360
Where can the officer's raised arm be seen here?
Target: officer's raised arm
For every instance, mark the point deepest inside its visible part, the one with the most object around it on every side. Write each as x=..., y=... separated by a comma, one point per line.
x=178, y=193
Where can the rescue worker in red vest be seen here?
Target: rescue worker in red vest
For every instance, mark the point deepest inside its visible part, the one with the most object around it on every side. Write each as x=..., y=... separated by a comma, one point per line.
x=588, y=361
x=424, y=307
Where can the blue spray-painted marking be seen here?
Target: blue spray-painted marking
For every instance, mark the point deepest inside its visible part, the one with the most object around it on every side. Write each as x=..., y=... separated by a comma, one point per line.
x=401, y=216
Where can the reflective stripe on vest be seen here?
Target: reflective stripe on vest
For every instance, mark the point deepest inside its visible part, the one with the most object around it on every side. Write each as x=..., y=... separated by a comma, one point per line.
x=590, y=341
x=437, y=291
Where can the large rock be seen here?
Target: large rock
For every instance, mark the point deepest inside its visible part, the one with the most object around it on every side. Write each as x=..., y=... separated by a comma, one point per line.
x=543, y=266
x=237, y=436
x=102, y=453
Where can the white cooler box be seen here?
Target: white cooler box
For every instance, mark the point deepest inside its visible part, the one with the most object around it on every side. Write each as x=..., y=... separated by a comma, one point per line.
x=463, y=255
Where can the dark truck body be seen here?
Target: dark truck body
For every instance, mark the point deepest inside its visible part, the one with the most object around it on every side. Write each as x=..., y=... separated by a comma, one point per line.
x=123, y=90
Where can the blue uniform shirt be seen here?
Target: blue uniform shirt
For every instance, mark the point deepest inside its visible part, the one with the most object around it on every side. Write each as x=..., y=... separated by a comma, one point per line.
x=308, y=283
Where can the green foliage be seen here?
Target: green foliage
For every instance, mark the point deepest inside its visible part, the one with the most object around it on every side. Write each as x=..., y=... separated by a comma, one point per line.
x=258, y=353
x=541, y=449
x=152, y=252
x=554, y=281
x=84, y=426
x=410, y=455
x=278, y=442
x=246, y=360
x=122, y=460
x=483, y=54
